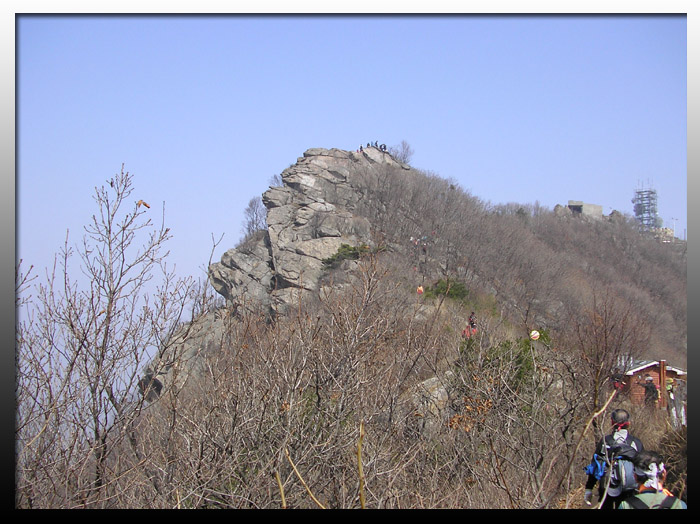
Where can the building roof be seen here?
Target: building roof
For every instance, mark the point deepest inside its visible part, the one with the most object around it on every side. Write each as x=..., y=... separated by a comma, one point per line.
x=641, y=365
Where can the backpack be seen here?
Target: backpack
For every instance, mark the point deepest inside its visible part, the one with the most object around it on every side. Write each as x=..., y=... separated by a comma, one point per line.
x=621, y=468
x=596, y=467
x=637, y=503
x=651, y=392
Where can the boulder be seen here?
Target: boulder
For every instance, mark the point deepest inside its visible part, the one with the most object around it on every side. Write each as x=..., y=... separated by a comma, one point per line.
x=308, y=218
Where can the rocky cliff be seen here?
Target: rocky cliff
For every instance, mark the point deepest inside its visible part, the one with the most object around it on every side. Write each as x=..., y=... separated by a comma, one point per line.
x=308, y=218
x=516, y=269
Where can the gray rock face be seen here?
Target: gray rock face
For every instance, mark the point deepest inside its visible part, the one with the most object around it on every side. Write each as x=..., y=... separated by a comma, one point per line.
x=308, y=218
x=246, y=269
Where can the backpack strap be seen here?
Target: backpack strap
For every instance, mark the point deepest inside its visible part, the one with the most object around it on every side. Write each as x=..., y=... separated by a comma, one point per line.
x=609, y=442
x=637, y=503
x=668, y=502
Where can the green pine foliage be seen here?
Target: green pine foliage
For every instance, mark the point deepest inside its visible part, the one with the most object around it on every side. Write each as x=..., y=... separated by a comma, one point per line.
x=345, y=252
x=448, y=288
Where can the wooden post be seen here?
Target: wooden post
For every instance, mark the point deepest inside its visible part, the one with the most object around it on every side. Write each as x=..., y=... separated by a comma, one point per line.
x=662, y=384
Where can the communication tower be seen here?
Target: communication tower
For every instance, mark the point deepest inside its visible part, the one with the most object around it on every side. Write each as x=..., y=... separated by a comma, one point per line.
x=645, y=209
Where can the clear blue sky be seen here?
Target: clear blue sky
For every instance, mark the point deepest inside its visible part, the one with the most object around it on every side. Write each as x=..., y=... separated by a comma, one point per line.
x=203, y=111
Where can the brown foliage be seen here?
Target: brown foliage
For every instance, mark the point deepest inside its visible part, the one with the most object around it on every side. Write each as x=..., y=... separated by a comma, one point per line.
x=366, y=396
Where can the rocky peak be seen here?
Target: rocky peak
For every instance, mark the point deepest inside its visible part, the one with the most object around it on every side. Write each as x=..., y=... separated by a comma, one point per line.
x=308, y=219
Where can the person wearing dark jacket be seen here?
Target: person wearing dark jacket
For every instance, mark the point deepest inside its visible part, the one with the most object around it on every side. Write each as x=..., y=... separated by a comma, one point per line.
x=651, y=393
x=612, y=498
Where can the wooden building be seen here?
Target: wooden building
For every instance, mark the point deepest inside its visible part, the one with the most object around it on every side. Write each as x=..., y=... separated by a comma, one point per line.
x=659, y=371
x=662, y=375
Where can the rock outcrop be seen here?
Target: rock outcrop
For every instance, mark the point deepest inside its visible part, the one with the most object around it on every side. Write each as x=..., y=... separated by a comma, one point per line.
x=308, y=219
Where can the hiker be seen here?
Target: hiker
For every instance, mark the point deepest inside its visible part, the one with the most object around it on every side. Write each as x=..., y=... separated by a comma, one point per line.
x=618, y=380
x=651, y=393
x=669, y=388
x=599, y=471
x=650, y=474
x=471, y=328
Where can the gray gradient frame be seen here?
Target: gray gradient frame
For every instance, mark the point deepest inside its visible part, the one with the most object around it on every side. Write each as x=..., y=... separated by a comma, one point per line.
x=9, y=174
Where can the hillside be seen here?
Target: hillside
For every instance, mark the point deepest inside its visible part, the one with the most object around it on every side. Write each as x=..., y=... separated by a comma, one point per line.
x=536, y=268
x=338, y=373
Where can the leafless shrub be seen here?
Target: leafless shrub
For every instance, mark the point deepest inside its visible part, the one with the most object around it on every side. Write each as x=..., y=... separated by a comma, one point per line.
x=80, y=347
x=254, y=218
x=402, y=152
x=365, y=396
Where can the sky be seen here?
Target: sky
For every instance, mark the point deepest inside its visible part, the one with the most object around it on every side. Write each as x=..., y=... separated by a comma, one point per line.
x=204, y=110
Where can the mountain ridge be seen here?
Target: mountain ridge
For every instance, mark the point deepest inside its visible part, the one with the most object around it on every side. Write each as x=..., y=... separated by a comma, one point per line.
x=535, y=263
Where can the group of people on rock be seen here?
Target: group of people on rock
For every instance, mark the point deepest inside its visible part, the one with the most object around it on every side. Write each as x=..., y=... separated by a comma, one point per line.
x=619, y=456
x=381, y=147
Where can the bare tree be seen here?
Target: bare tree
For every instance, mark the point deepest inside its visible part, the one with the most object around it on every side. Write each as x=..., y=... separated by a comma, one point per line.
x=402, y=152
x=254, y=218
x=605, y=332
x=80, y=349
x=276, y=181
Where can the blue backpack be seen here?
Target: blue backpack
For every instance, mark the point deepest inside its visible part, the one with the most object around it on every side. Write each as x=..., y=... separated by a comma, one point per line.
x=596, y=467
